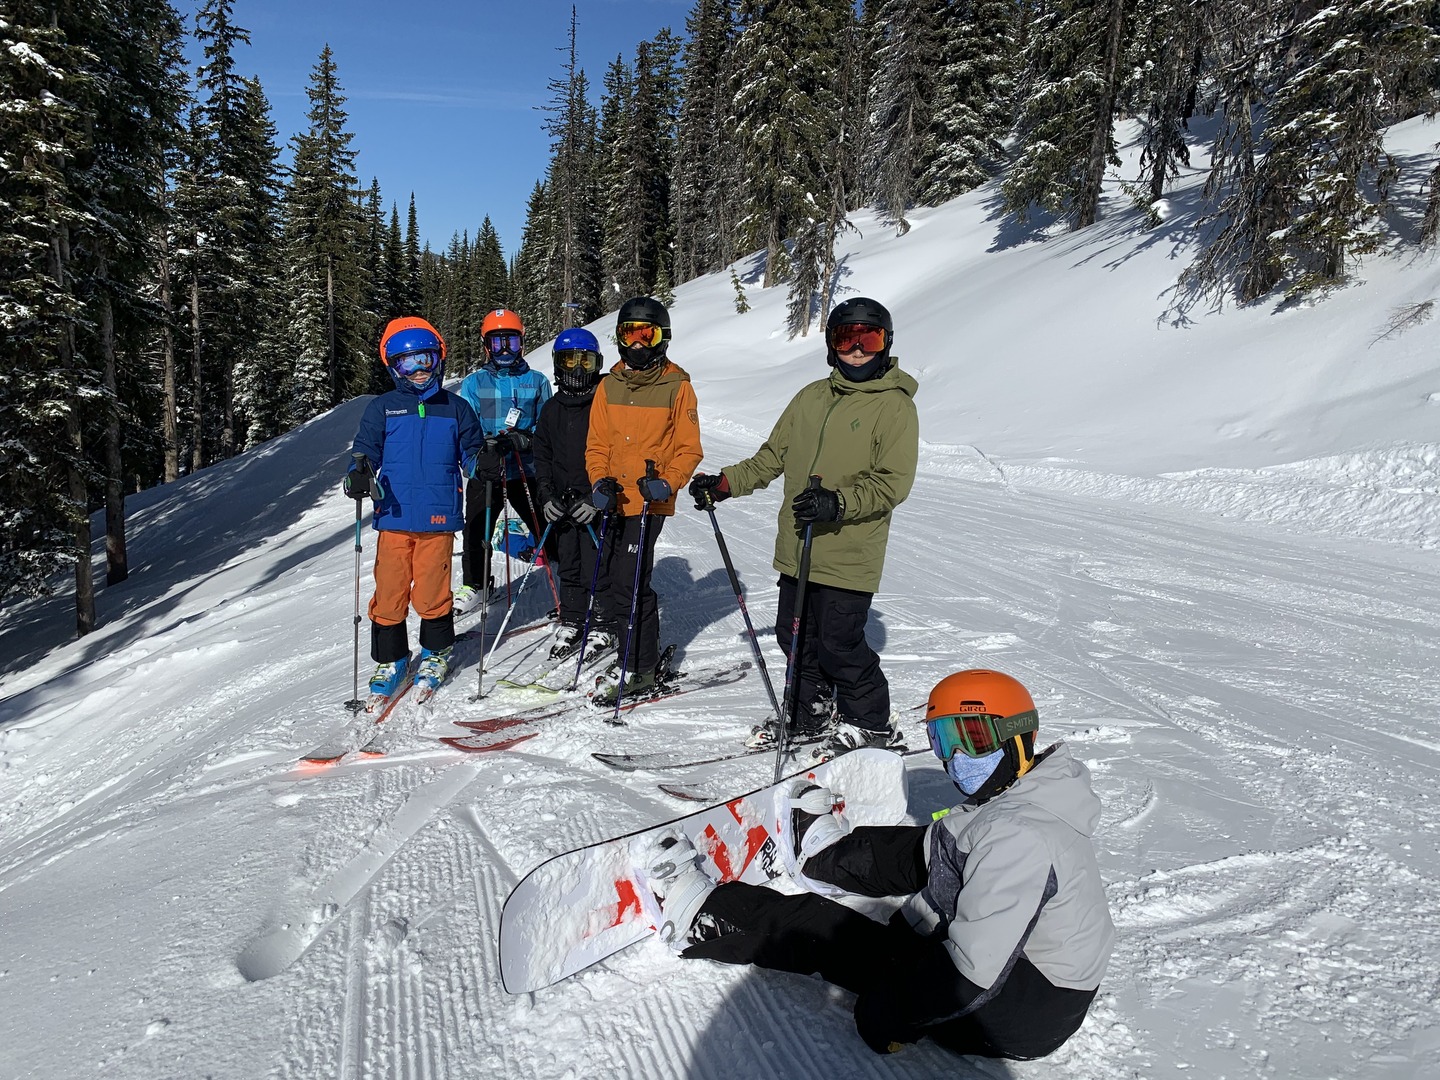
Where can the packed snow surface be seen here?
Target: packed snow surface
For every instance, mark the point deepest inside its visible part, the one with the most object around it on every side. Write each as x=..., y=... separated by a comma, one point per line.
x=1205, y=544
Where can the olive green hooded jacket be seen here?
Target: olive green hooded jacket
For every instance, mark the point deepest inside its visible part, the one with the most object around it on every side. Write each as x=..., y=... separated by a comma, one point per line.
x=863, y=440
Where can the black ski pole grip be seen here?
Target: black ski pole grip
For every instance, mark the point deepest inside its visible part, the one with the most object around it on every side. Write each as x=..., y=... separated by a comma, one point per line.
x=650, y=473
x=814, y=484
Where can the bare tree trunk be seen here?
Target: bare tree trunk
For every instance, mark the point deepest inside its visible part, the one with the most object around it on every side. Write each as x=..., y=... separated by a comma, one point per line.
x=330, y=330
x=1087, y=206
x=170, y=409
x=75, y=441
x=117, y=567
x=197, y=447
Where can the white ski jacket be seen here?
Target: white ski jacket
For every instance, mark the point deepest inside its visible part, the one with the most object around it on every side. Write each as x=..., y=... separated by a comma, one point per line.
x=1017, y=876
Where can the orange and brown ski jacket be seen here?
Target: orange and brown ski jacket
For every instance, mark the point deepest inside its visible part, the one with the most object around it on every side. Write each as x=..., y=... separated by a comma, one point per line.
x=639, y=415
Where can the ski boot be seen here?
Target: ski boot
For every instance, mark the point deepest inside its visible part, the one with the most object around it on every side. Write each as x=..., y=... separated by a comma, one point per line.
x=849, y=735
x=638, y=685
x=433, y=668
x=815, y=722
x=388, y=678
x=566, y=643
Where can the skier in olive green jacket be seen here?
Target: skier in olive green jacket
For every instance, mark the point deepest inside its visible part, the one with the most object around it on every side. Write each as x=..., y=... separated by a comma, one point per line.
x=858, y=431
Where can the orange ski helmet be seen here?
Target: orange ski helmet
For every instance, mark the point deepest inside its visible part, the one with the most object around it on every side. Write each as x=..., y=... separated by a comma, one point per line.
x=501, y=319
x=981, y=693
x=396, y=329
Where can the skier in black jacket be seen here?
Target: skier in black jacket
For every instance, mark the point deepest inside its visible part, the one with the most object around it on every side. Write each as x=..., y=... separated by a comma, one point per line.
x=559, y=448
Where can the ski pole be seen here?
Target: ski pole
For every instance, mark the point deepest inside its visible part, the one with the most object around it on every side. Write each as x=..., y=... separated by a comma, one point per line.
x=519, y=592
x=534, y=524
x=744, y=612
x=485, y=584
x=590, y=601
x=634, y=596
x=355, y=704
x=792, y=665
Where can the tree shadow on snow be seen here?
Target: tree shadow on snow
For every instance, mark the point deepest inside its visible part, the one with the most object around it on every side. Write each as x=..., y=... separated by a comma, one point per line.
x=212, y=531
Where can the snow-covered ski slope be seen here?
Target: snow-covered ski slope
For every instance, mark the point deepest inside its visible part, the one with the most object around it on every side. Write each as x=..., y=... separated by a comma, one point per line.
x=1208, y=550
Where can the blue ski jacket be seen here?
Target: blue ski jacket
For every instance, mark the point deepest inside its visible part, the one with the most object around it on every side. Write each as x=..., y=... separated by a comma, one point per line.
x=420, y=446
x=493, y=391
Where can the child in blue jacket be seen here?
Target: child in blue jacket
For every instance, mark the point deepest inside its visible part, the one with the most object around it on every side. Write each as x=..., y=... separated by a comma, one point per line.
x=414, y=445
x=506, y=394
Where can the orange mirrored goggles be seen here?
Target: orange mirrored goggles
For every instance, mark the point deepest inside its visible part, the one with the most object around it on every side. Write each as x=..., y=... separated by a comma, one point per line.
x=639, y=333
x=845, y=337
x=570, y=359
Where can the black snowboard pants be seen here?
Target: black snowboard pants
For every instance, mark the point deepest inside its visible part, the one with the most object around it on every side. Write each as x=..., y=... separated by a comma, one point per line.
x=618, y=585
x=522, y=495
x=834, y=652
x=907, y=987
x=575, y=563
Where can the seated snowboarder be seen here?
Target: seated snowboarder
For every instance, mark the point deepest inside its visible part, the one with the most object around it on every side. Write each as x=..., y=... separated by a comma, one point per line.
x=1001, y=943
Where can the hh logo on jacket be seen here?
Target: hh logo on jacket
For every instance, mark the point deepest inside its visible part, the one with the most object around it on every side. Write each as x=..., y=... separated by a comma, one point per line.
x=437, y=519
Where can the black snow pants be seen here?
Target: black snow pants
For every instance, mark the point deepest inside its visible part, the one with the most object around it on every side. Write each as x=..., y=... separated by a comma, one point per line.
x=618, y=585
x=907, y=987
x=834, y=652
x=522, y=495
x=575, y=566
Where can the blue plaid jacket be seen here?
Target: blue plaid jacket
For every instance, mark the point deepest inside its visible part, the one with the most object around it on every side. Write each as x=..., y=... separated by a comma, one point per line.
x=493, y=391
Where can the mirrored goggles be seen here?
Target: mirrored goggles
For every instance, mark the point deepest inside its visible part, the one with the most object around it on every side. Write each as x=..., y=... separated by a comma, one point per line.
x=416, y=362
x=571, y=359
x=976, y=734
x=639, y=333
x=503, y=341
x=844, y=338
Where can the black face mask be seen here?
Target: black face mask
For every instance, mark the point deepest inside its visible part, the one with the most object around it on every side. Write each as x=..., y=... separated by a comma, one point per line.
x=873, y=368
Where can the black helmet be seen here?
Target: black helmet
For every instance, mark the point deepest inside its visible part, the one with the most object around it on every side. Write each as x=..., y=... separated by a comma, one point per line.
x=643, y=309
x=860, y=309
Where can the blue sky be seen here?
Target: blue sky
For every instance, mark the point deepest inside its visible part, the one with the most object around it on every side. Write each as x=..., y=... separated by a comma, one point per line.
x=442, y=96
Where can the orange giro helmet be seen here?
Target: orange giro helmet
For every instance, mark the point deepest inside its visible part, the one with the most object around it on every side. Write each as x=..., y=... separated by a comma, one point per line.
x=501, y=319
x=977, y=712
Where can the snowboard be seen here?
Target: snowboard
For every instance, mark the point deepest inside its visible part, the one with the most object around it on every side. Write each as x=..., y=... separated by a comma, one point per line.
x=578, y=908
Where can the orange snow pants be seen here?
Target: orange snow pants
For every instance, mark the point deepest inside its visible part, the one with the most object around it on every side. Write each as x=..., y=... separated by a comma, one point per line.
x=411, y=568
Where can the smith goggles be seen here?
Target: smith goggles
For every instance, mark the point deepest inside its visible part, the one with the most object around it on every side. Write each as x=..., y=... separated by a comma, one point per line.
x=503, y=341
x=639, y=333
x=976, y=734
x=415, y=363
x=570, y=359
x=845, y=337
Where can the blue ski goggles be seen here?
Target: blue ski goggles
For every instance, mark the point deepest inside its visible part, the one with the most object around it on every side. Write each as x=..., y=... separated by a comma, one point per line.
x=501, y=342
x=976, y=734
x=416, y=363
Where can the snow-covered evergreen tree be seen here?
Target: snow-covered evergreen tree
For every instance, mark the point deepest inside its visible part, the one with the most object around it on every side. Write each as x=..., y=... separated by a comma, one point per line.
x=907, y=46
x=702, y=203
x=1067, y=94
x=973, y=88
x=323, y=230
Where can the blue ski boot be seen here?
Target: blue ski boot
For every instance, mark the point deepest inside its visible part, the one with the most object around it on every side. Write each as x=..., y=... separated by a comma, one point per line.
x=387, y=679
x=433, y=668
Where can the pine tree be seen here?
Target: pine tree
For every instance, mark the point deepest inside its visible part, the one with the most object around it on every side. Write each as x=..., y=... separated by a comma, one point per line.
x=615, y=243
x=973, y=86
x=907, y=50
x=259, y=398
x=323, y=230
x=574, y=259
x=788, y=114
x=38, y=139
x=702, y=205
x=1067, y=109
x=1167, y=52
x=492, y=285
x=529, y=287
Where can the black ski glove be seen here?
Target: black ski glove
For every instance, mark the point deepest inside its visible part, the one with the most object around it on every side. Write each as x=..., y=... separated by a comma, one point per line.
x=654, y=489
x=503, y=442
x=604, y=492
x=817, y=504
x=708, y=490
x=520, y=440
x=359, y=481
x=552, y=510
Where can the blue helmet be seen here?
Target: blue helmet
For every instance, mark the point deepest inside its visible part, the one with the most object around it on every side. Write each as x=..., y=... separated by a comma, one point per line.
x=410, y=346
x=576, y=353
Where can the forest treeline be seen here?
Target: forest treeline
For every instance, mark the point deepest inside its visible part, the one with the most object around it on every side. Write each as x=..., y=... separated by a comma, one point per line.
x=173, y=290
